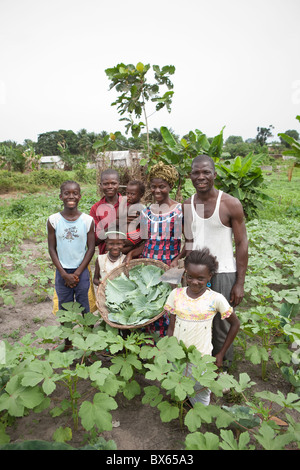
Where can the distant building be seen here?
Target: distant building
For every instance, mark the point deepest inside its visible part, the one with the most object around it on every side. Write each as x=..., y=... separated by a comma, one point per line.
x=122, y=158
x=51, y=162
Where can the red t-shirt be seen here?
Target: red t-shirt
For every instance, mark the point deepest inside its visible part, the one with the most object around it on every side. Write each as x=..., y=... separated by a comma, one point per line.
x=104, y=214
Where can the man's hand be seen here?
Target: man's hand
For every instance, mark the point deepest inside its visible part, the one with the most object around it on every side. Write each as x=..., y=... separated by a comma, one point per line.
x=219, y=360
x=237, y=294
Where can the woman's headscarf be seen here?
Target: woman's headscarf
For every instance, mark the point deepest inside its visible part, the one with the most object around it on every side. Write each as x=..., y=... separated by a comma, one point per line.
x=166, y=172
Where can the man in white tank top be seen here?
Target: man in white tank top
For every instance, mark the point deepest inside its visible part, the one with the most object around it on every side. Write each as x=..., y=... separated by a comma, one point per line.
x=215, y=219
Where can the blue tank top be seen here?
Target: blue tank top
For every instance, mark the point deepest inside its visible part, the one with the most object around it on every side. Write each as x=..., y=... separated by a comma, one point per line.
x=71, y=238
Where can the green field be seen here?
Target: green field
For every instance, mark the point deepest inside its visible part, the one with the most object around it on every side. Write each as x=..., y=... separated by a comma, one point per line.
x=267, y=344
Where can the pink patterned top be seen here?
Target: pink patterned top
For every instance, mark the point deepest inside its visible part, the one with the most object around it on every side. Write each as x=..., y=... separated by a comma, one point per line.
x=203, y=308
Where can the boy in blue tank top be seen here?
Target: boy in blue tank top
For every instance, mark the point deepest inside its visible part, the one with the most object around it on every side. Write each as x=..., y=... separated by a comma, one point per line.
x=71, y=244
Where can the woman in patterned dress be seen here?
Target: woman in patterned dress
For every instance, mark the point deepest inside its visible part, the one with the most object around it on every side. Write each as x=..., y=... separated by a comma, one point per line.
x=161, y=227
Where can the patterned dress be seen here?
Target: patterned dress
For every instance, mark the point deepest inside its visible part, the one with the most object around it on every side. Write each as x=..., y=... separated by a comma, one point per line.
x=163, y=241
x=162, y=233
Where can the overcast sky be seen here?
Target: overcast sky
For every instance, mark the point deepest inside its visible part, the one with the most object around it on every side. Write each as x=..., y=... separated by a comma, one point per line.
x=237, y=63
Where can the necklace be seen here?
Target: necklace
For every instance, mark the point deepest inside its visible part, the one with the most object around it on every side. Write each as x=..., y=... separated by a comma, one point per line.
x=107, y=258
x=114, y=260
x=161, y=218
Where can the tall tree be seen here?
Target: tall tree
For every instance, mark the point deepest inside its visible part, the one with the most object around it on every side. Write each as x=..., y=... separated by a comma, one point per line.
x=135, y=90
x=290, y=133
x=263, y=133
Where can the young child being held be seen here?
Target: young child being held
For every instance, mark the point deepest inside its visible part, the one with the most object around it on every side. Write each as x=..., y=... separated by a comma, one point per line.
x=112, y=258
x=71, y=244
x=193, y=308
x=134, y=192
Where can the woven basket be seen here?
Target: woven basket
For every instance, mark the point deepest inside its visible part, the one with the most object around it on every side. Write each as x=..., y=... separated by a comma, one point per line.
x=100, y=295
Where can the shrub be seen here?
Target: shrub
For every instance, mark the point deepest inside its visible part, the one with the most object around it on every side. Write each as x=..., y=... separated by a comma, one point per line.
x=243, y=179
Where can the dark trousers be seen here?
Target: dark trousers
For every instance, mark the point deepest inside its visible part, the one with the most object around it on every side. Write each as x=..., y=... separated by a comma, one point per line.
x=73, y=294
x=223, y=284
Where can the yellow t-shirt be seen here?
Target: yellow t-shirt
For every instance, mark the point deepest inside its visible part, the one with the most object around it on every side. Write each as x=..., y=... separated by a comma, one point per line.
x=194, y=316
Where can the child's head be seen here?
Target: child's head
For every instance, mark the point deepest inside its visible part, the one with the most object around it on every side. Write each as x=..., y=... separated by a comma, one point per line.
x=70, y=194
x=200, y=266
x=109, y=182
x=114, y=242
x=135, y=191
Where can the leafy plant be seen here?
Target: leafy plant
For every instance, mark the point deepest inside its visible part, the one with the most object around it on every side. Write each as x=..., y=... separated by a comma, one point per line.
x=272, y=293
x=36, y=444
x=294, y=150
x=293, y=377
x=243, y=179
x=131, y=82
x=180, y=153
x=265, y=324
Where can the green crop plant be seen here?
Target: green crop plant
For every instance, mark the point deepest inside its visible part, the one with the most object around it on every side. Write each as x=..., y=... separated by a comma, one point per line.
x=264, y=325
x=30, y=374
x=254, y=422
x=272, y=293
x=169, y=367
x=294, y=150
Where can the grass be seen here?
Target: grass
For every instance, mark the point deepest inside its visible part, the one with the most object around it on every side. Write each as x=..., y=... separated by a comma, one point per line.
x=285, y=193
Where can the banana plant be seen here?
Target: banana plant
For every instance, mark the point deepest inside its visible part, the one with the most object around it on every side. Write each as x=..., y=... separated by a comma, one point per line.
x=181, y=153
x=243, y=179
x=294, y=150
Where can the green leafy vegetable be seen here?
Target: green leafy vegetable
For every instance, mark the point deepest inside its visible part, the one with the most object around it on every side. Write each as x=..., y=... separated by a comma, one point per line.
x=138, y=298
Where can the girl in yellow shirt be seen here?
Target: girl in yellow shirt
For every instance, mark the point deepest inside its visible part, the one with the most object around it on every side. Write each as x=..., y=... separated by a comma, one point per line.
x=192, y=308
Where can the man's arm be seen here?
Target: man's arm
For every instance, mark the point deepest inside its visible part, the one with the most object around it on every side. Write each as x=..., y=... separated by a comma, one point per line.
x=232, y=332
x=187, y=228
x=241, y=251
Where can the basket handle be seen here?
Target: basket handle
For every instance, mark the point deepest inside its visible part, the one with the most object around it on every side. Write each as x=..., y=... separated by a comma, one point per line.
x=126, y=270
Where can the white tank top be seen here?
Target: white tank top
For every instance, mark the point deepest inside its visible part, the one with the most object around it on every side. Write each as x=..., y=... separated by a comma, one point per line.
x=211, y=233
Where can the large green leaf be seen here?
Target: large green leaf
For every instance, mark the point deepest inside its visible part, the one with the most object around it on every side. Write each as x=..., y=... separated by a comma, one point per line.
x=17, y=397
x=40, y=371
x=229, y=442
x=167, y=411
x=97, y=413
x=199, y=441
x=181, y=386
x=168, y=137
